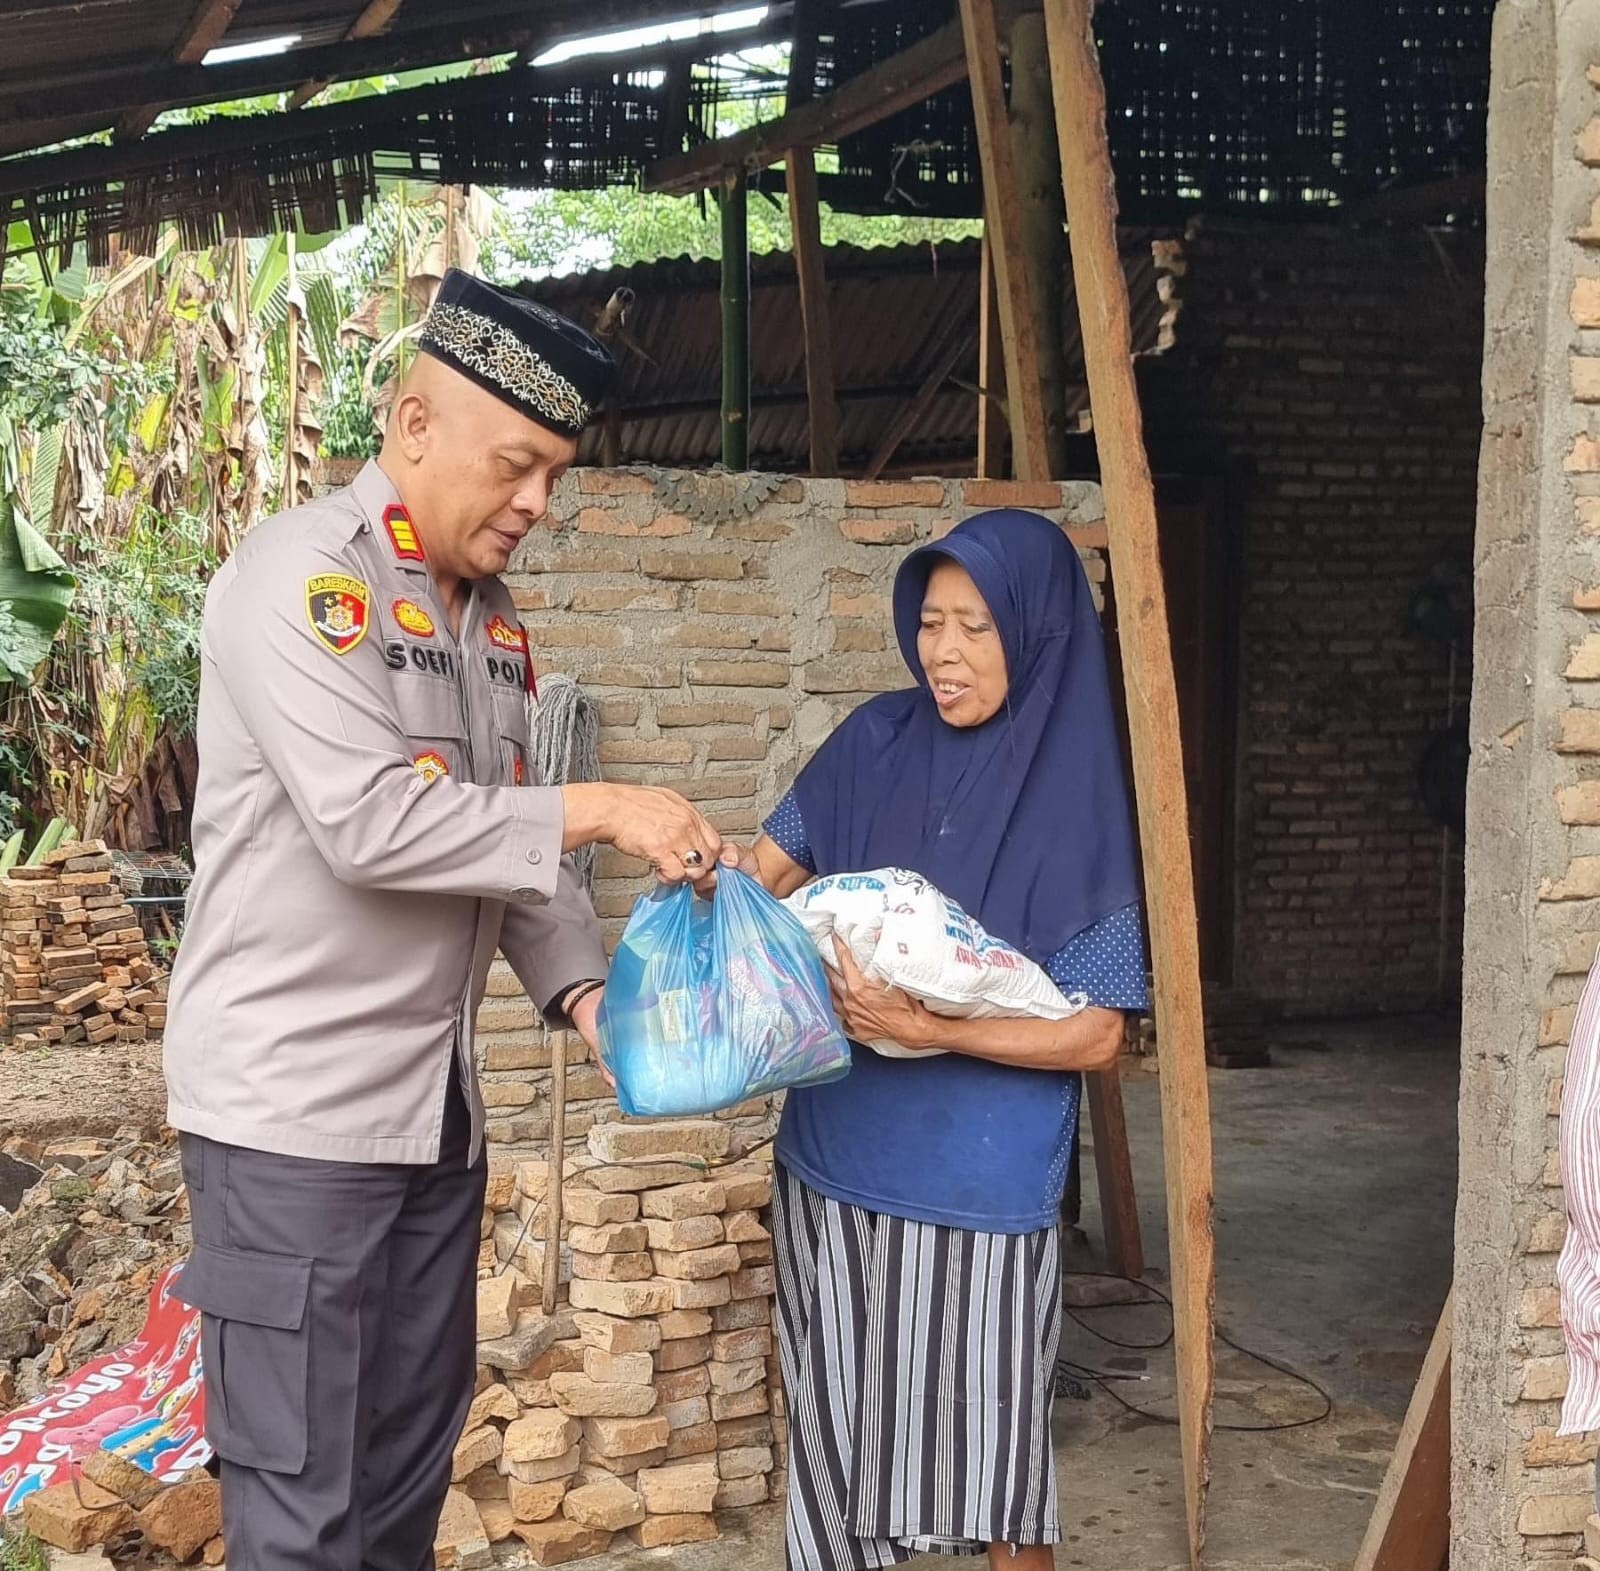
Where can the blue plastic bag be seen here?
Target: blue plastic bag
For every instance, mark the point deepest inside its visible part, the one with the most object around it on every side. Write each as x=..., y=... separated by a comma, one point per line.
x=711, y=1002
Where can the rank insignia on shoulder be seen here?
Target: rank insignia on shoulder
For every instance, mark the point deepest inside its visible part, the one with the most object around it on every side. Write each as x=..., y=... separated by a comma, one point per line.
x=506, y=635
x=413, y=619
x=337, y=607
x=402, y=533
x=431, y=766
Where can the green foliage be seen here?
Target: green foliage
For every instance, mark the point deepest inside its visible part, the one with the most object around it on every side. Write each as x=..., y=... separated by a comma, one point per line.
x=20, y=1550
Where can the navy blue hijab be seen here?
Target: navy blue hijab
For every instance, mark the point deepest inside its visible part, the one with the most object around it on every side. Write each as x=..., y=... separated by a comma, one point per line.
x=1024, y=819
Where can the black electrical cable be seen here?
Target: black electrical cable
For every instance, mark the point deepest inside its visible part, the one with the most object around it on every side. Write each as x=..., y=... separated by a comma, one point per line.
x=1068, y=1372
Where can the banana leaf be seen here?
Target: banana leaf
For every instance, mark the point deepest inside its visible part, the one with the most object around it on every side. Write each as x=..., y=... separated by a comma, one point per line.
x=37, y=587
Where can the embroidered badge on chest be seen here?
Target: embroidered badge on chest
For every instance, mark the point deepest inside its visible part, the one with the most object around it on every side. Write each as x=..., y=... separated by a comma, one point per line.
x=505, y=635
x=337, y=607
x=402, y=533
x=413, y=619
x=431, y=766
x=519, y=771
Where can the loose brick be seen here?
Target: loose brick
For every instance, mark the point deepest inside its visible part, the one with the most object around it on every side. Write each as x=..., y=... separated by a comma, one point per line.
x=679, y=1201
x=742, y=1315
x=476, y=1449
x=729, y=1379
x=619, y=1238
x=660, y=1532
x=461, y=1542
x=734, y=1347
x=537, y=1502
x=697, y=1265
x=625, y=1437
x=499, y=1520
x=739, y=1404
x=558, y=1541
x=494, y=1401
x=582, y=1397
x=543, y=1472
x=681, y=1488
x=745, y=1461
x=747, y=1191
x=612, y=1335
x=734, y=1494
x=698, y=1440
x=740, y=1432
x=683, y=1353
x=618, y=1368
x=613, y=1267
x=681, y=1137
x=761, y=1282
x=625, y=1300
x=687, y=1413
x=701, y=1295
x=57, y=1517
x=593, y=1208
x=644, y=1175
x=744, y=1227
x=682, y=1384
x=683, y=1323
x=612, y=1505
x=541, y=1437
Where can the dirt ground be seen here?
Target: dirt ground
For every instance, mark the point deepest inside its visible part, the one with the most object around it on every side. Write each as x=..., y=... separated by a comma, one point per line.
x=81, y=1091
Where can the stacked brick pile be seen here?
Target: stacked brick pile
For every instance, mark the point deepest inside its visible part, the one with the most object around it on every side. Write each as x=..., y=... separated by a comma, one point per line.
x=648, y=1402
x=74, y=961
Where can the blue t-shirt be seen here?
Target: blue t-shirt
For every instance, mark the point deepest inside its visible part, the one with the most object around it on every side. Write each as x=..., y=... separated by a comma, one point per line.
x=950, y=1139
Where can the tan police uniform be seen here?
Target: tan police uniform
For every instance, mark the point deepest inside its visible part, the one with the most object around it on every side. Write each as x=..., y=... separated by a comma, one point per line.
x=368, y=831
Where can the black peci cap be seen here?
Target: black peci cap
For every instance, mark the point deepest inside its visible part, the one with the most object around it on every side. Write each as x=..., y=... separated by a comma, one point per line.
x=524, y=353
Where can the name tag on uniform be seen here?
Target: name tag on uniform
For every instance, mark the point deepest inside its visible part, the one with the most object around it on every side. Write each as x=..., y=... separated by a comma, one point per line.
x=402, y=654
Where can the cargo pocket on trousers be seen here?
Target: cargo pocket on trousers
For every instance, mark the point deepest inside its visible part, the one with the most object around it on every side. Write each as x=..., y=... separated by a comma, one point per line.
x=254, y=1353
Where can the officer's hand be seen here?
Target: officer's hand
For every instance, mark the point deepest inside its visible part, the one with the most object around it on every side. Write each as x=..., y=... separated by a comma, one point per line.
x=648, y=822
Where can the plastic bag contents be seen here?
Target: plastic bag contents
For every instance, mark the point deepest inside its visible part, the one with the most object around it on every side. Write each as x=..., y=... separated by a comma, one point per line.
x=713, y=1002
x=900, y=930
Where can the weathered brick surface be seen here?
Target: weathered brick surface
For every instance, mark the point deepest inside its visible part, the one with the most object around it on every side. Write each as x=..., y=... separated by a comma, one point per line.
x=1337, y=387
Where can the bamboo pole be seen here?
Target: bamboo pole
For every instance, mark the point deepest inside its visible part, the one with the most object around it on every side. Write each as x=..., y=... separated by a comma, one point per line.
x=735, y=324
x=1153, y=724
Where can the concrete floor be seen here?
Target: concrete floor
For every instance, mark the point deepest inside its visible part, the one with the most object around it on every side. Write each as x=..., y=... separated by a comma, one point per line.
x=1335, y=1197
x=1335, y=1200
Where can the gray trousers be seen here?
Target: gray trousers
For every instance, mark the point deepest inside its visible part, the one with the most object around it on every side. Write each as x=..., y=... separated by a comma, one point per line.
x=338, y=1333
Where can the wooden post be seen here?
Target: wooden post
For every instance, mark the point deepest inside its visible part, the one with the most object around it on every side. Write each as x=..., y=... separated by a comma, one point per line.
x=1113, y=1167
x=805, y=228
x=1410, y=1525
x=1153, y=725
x=735, y=323
x=1007, y=242
x=551, y=1285
x=1044, y=221
x=992, y=462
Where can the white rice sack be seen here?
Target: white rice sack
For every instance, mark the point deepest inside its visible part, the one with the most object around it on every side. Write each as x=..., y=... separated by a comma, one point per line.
x=901, y=931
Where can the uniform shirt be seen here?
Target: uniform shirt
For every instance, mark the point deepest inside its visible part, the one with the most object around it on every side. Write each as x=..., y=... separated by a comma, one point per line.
x=933, y=1163
x=367, y=831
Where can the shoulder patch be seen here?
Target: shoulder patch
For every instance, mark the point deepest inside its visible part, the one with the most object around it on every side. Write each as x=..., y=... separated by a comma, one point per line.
x=402, y=533
x=337, y=606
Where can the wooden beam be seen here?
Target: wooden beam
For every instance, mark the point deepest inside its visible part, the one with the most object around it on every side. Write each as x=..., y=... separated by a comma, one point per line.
x=1003, y=224
x=958, y=342
x=927, y=67
x=992, y=461
x=734, y=204
x=1410, y=1525
x=1102, y=293
x=375, y=16
x=1113, y=1167
x=805, y=229
x=207, y=28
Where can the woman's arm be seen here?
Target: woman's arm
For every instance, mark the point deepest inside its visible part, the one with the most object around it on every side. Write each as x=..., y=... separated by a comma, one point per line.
x=871, y=1012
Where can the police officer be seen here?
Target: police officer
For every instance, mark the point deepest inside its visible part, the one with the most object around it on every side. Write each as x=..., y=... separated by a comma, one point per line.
x=368, y=830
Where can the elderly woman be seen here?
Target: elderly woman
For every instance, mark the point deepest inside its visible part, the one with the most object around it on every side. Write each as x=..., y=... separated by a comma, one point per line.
x=918, y=1199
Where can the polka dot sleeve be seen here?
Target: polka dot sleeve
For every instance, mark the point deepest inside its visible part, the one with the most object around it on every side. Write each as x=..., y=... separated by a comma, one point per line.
x=1107, y=962
x=787, y=831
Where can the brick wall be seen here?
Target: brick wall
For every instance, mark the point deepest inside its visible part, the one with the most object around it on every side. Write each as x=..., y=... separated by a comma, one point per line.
x=721, y=649
x=1520, y=1494
x=1331, y=376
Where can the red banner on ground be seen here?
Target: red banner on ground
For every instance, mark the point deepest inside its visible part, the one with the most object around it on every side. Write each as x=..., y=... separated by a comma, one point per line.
x=144, y=1402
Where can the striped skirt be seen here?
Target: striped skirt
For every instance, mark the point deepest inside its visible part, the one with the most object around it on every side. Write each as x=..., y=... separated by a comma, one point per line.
x=918, y=1366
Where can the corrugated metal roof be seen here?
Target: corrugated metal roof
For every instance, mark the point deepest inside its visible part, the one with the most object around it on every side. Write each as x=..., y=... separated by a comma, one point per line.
x=891, y=311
